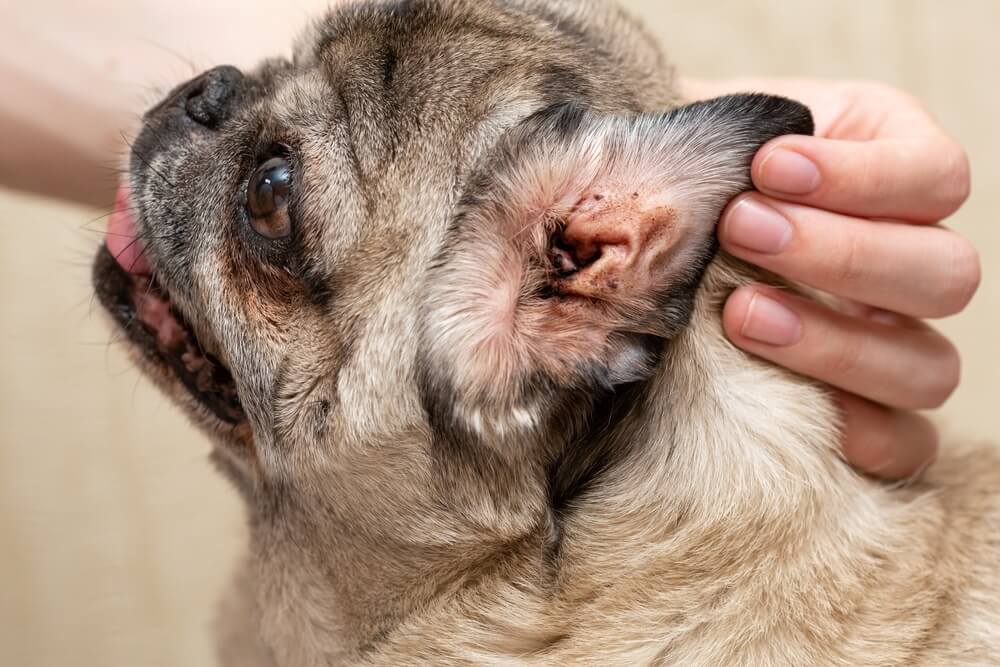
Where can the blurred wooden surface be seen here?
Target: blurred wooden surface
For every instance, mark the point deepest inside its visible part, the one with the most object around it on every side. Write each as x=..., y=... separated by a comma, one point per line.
x=115, y=533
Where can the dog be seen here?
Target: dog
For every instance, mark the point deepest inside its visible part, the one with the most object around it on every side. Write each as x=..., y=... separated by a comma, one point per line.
x=444, y=291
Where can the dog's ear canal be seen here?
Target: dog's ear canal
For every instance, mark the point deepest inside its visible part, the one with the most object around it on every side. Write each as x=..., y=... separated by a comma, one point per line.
x=580, y=240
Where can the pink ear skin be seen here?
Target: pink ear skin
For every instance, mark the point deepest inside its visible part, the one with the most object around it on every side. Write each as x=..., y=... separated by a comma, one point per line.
x=556, y=286
x=609, y=260
x=614, y=241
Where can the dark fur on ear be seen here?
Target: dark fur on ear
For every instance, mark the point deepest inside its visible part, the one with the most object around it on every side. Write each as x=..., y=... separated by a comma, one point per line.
x=756, y=117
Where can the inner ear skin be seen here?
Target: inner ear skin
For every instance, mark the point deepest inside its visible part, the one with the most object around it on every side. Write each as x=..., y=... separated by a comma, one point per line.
x=581, y=239
x=614, y=241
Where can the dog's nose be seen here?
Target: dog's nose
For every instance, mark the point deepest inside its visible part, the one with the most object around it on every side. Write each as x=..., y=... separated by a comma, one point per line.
x=209, y=97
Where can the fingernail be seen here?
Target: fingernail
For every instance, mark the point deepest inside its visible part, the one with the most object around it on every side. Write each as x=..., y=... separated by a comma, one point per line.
x=771, y=322
x=789, y=173
x=757, y=227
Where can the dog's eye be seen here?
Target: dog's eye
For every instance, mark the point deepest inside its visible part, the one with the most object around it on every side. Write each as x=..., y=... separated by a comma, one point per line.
x=267, y=199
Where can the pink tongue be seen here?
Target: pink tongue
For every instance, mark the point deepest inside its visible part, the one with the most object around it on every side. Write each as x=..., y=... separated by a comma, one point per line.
x=122, y=238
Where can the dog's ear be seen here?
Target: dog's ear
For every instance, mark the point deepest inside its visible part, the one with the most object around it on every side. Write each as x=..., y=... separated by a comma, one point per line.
x=579, y=246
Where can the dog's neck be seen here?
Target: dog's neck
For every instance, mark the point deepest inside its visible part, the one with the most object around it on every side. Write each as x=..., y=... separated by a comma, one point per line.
x=728, y=460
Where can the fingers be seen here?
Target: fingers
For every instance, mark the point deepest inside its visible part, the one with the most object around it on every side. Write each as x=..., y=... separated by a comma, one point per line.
x=900, y=363
x=922, y=179
x=933, y=271
x=887, y=443
x=878, y=153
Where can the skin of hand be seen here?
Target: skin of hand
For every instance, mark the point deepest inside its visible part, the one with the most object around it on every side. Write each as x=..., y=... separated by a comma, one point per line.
x=855, y=212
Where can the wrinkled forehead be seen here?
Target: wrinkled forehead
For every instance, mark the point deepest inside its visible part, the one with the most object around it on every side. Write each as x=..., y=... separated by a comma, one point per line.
x=373, y=153
x=365, y=214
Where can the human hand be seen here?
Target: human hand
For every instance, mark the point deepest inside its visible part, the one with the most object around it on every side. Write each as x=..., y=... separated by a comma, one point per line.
x=854, y=212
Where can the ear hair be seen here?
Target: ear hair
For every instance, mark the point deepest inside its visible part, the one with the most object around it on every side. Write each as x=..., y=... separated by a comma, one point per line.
x=636, y=197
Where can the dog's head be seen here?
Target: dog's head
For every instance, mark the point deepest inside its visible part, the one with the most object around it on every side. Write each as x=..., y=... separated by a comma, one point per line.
x=440, y=227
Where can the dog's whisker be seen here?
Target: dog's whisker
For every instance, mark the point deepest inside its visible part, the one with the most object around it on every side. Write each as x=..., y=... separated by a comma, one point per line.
x=103, y=216
x=173, y=52
x=135, y=239
x=142, y=158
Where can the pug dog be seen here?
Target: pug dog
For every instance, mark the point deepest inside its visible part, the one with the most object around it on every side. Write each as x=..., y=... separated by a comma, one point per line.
x=444, y=291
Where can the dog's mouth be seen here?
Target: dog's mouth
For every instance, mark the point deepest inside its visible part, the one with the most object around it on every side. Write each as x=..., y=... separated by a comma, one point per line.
x=159, y=337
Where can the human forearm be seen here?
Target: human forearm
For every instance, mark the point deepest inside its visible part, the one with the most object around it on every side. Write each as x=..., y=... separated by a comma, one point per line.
x=76, y=76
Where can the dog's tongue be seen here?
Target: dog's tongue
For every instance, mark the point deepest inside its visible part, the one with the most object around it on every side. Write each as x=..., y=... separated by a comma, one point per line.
x=122, y=238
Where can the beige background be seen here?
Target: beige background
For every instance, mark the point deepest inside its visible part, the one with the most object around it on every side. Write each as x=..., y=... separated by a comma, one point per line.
x=116, y=535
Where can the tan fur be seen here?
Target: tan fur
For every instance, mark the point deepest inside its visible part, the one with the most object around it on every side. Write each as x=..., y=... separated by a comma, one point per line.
x=752, y=544
x=727, y=531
